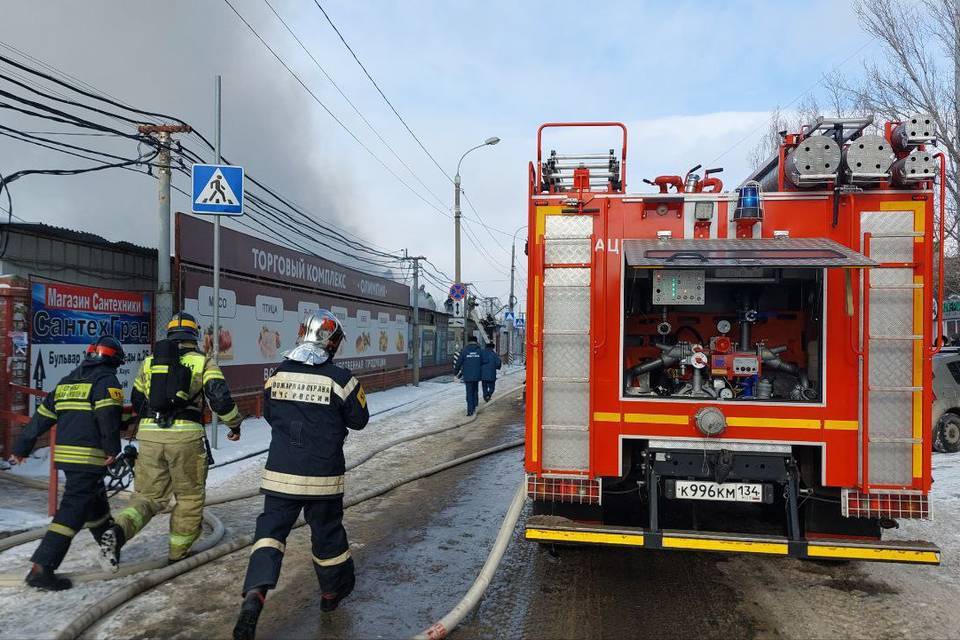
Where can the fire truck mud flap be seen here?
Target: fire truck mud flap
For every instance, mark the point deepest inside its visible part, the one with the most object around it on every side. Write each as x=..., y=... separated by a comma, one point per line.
x=551, y=529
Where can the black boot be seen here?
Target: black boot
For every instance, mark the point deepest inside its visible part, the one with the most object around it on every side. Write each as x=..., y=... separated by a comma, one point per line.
x=44, y=578
x=246, y=627
x=110, y=544
x=330, y=601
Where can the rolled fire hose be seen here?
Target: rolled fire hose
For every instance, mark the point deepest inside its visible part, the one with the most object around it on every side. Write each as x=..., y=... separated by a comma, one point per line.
x=124, y=594
x=449, y=622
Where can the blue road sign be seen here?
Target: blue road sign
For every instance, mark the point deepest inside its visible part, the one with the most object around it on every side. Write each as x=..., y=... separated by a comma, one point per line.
x=520, y=323
x=217, y=189
x=508, y=317
x=458, y=291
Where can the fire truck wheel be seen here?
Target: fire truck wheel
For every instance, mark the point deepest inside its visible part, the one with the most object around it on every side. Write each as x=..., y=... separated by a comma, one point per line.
x=946, y=437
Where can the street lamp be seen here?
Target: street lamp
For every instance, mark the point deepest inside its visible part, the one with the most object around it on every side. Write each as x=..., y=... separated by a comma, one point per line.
x=512, y=300
x=456, y=220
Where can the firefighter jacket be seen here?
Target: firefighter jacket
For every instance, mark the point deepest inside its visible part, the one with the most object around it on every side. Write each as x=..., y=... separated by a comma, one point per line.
x=187, y=425
x=469, y=362
x=87, y=407
x=310, y=408
x=489, y=364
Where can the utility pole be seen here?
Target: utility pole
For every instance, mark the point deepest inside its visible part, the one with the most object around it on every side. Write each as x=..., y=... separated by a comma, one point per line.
x=456, y=226
x=214, y=426
x=415, y=340
x=164, y=296
x=462, y=331
x=512, y=301
x=512, y=323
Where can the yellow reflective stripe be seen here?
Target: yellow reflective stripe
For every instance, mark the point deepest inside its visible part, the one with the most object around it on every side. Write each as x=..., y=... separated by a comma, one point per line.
x=46, y=413
x=74, y=448
x=138, y=385
x=178, y=323
x=774, y=423
x=96, y=523
x=212, y=374
x=73, y=406
x=130, y=513
x=91, y=460
x=106, y=402
x=159, y=368
x=231, y=415
x=61, y=529
x=268, y=543
x=183, y=394
x=604, y=416
x=841, y=425
x=332, y=562
x=79, y=455
x=702, y=544
x=180, y=540
x=624, y=539
x=177, y=426
x=867, y=553
x=655, y=418
x=301, y=485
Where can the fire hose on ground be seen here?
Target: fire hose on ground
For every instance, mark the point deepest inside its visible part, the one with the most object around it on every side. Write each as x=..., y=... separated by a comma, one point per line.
x=126, y=593
x=449, y=622
x=13, y=580
x=35, y=534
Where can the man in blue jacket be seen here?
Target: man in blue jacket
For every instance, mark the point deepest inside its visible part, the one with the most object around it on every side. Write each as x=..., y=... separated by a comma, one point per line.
x=489, y=367
x=468, y=364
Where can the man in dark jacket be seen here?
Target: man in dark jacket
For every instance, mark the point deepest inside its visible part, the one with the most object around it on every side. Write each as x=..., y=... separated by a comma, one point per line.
x=488, y=374
x=310, y=403
x=468, y=365
x=86, y=406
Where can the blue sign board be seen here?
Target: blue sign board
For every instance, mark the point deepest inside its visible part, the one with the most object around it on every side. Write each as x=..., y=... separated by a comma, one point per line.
x=217, y=189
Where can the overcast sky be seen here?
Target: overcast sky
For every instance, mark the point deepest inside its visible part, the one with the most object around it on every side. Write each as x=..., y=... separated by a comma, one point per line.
x=694, y=81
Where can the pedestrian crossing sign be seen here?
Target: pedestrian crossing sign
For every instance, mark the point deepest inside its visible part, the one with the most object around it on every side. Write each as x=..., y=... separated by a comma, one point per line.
x=217, y=189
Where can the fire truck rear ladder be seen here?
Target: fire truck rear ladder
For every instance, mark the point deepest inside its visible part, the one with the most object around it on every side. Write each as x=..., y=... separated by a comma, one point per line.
x=887, y=455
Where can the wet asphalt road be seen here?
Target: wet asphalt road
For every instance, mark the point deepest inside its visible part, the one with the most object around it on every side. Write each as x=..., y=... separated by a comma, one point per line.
x=422, y=550
x=419, y=547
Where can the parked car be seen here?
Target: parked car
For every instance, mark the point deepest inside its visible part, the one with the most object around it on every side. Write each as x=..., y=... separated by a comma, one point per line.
x=946, y=404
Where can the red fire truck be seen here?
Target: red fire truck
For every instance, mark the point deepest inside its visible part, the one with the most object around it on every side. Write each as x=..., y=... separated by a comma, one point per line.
x=736, y=371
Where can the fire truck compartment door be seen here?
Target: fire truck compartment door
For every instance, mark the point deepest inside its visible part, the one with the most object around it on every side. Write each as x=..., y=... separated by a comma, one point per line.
x=741, y=252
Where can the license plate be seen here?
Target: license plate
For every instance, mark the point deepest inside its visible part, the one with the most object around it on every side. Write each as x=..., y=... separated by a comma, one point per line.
x=727, y=491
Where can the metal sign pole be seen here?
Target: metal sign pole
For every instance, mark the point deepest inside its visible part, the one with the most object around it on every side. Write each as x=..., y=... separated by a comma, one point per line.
x=214, y=427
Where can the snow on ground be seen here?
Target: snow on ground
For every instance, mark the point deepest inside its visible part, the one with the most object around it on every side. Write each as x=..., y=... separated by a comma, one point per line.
x=395, y=413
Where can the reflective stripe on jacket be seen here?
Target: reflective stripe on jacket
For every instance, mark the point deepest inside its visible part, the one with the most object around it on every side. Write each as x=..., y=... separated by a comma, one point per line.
x=310, y=408
x=86, y=406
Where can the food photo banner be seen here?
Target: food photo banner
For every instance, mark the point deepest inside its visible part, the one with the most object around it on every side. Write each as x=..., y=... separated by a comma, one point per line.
x=259, y=320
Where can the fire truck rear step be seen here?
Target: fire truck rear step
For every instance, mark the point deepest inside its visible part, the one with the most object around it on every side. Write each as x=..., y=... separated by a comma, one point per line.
x=550, y=529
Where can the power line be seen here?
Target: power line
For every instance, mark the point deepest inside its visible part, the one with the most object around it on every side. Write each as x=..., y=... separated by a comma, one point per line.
x=352, y=105
x=380, y=91
x=332, y=115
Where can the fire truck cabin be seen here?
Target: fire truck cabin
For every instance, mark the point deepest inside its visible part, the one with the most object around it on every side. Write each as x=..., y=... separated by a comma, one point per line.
x=736, y=371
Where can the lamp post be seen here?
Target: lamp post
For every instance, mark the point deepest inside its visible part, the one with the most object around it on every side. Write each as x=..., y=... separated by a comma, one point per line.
x=512, y=300
x=456, y=221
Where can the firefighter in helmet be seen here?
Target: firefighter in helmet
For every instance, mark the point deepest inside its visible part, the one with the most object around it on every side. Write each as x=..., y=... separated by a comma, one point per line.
x=168, y=395
x=86, y=406
x=310, y=403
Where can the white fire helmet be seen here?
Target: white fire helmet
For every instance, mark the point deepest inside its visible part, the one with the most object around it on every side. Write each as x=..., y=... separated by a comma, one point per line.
x=319, y=338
